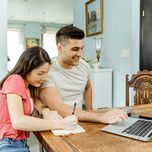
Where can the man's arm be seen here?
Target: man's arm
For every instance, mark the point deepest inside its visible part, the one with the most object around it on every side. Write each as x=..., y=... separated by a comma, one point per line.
x=52, y=99
x=40, y=106
x=88, y=96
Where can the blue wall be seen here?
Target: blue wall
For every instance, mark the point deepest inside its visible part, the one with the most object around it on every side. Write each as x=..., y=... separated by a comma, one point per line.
x=33, y=29
x=120, y=42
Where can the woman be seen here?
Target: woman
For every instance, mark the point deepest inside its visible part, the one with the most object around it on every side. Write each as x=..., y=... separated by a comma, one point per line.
x=18, y=90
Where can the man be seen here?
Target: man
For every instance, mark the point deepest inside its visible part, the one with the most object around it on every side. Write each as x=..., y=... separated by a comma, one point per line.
x=69, y=80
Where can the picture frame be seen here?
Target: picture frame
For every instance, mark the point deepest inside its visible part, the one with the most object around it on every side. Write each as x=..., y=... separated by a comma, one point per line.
x=94, y=17
x=30, y=42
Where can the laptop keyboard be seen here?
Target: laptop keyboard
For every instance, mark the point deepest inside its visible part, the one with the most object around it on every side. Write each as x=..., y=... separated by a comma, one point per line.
x=139, y=128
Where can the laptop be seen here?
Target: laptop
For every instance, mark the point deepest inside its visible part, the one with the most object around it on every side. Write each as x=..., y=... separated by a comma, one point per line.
x=136, y=128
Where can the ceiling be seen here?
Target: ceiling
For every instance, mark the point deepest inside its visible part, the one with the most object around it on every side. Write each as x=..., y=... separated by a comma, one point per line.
x=51, y=11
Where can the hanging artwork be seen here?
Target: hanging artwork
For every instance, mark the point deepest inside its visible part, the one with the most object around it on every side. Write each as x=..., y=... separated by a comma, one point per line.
x=94, y=17
x=30, y=42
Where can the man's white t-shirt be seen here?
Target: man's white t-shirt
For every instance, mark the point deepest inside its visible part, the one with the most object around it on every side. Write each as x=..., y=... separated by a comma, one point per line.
x=70, y=83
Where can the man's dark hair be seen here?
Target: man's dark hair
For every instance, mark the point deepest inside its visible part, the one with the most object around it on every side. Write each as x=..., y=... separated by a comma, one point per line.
x=69, y=32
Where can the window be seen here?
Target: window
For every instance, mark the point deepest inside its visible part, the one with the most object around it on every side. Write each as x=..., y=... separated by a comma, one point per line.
x=49, y=43
x=14, y=45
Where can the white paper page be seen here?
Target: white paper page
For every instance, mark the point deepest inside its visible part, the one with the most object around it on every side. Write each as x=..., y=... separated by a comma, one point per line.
x=79, y=129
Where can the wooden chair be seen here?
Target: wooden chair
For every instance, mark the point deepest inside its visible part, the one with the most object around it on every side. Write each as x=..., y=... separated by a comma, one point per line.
x=142, y=85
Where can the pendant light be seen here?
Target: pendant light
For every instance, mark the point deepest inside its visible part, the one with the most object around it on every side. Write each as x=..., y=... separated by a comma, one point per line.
x=43, y=29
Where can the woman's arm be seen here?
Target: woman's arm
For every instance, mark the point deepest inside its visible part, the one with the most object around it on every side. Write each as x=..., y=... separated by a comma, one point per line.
x=29, y=123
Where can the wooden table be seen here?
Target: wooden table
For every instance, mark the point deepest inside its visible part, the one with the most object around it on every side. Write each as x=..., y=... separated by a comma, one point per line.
x=94, y=140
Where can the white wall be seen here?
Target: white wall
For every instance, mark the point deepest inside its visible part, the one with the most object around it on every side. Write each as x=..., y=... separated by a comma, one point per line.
x=120, y=43
x=3, y=38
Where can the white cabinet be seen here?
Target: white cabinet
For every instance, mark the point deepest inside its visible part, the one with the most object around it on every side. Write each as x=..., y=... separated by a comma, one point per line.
x=101, y=81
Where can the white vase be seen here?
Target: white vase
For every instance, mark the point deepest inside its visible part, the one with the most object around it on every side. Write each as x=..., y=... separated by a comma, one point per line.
x=96, y=66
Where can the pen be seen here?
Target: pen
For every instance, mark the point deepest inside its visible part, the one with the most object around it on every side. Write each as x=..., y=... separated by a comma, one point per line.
x=74, y=108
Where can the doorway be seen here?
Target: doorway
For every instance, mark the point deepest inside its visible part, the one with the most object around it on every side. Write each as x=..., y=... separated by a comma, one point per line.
x=146, y=35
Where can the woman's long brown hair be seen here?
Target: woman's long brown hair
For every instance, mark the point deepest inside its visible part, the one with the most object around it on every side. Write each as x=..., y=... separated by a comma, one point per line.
x=30, y=59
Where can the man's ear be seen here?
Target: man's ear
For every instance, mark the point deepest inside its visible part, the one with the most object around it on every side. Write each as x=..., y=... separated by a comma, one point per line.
x=59, y=46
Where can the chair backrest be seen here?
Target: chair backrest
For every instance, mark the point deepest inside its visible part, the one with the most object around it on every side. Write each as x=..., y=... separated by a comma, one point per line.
x=142, y=85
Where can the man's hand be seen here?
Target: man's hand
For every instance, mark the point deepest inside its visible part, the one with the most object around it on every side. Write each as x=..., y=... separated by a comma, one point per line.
x=112, y=116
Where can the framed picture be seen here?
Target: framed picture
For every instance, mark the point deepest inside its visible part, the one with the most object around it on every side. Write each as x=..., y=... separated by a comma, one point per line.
x=30, y=42
x=94, y=17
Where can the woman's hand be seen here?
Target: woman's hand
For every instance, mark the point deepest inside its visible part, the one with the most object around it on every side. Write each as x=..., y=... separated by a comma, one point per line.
x=57, y=122
x=51, y=115
x=69, y=122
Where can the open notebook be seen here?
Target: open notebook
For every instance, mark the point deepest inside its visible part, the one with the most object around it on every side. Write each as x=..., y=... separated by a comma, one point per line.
x=79, y=129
